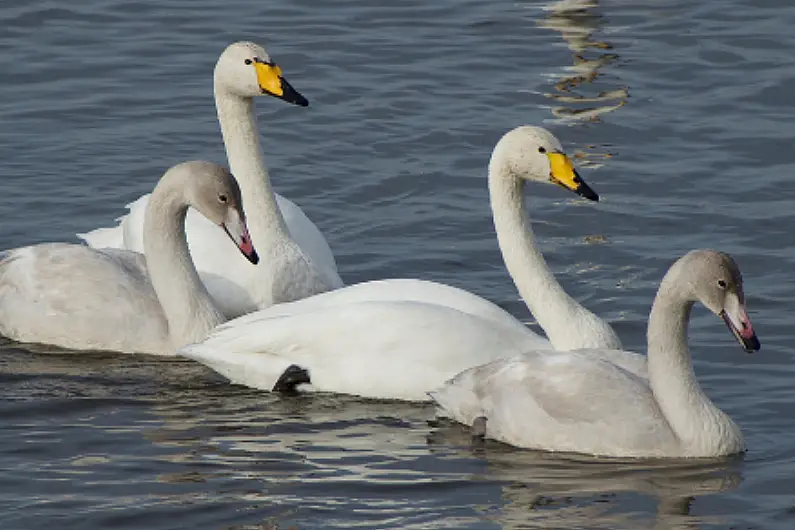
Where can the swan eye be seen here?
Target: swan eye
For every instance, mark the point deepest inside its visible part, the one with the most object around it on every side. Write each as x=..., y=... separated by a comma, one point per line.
x=248, y=61
x=222, y=199
x=542, y=150
x=722, y=284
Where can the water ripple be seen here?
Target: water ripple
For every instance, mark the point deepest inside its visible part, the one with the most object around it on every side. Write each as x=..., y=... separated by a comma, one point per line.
x=678, y=113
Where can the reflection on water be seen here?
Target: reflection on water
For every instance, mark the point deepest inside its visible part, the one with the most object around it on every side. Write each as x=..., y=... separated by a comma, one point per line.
x=285, y=456
x=579, y=98
x=547, y=490
x=407, y=101
x=289, y=460
x=305, y=450
x=316, y=435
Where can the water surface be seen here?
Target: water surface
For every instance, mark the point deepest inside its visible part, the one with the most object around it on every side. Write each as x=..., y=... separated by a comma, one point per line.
x=680, y=114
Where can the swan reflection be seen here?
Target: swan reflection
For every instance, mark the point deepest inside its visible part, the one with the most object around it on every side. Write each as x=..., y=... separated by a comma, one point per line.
x=582, y=92
x=549, y=490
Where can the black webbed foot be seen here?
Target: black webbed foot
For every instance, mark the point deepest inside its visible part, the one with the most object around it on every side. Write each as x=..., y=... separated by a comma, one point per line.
x=293, y=376
x=479, y=429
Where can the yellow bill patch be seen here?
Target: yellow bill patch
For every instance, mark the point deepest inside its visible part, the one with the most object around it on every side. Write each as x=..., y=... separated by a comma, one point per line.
x=269, y=78
x=563, y=171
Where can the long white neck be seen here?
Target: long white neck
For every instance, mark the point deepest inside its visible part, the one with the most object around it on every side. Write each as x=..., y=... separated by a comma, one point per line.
x=702, y=428
x=188, y=308
x=554, y=310
x=241, y=139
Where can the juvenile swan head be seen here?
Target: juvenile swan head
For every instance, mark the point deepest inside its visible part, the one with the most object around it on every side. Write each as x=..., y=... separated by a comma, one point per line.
x=714, y=279
x=213, y=192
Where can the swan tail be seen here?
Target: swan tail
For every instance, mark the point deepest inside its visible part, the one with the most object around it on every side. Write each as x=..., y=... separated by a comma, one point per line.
x=457, y=402
x=263, y=371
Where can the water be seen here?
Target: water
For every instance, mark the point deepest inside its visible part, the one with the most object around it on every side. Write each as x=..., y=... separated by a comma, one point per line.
x=680, y=114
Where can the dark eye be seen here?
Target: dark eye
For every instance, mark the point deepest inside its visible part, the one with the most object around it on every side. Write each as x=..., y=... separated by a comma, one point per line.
x=248, y=61
x=542, y=150
x=722, y=284
x=222, y=198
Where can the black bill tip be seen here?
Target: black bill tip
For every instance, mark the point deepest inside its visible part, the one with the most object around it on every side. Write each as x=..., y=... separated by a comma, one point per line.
x=584, y=190
x=252, y=256
x=245, y=246
x=291, y=95
x=750, y=343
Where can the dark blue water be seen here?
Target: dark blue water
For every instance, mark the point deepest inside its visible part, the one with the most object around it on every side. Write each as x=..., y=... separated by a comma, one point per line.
x=680, y=114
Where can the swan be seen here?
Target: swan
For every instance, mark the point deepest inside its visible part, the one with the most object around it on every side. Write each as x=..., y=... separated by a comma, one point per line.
x=583, y=402
x=297, y=261
x=77, y=297
x=401, y=338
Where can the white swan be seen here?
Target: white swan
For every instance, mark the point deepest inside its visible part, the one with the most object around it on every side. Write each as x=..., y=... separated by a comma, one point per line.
x=583, y=402
x=402, y=338
x=81, y=298
x=296, y=259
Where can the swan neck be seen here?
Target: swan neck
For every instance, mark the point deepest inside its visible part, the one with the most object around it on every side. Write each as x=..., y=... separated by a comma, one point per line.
x=241, y=140
x=188, y=308
x=690, y=413
x=551, y=306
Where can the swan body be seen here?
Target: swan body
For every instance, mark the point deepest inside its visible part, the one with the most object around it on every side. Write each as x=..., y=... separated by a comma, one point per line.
x=396, y=338
x=583, y=401
x=402, y=357
x=77, y=297
x=297, y=261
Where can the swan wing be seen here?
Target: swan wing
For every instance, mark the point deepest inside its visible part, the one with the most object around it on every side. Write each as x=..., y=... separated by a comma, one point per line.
x=310, y=240
x=391, y=350
x=405, y=290
x=634, y=363
x=576, y=401
x=80, y=298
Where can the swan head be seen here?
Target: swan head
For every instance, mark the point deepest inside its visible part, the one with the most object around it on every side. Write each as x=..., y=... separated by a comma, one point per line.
x=714, y=279
x=534, y=154
x=213, y=192
x=246, y=70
